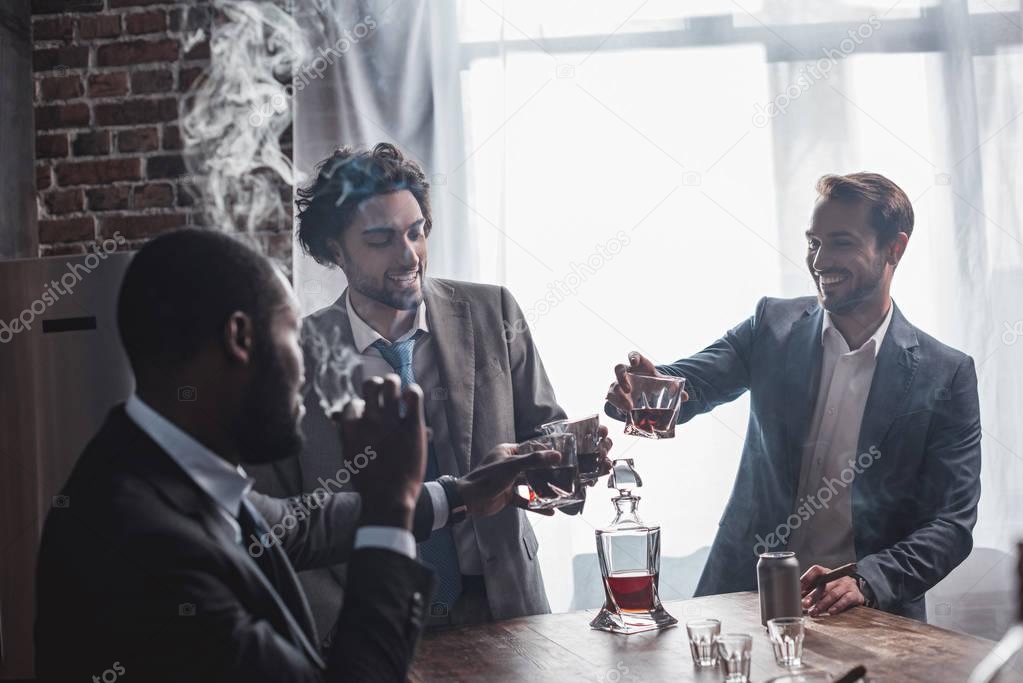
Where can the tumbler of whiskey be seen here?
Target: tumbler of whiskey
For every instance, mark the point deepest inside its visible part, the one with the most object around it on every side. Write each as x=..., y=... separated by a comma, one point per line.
x=655, y=405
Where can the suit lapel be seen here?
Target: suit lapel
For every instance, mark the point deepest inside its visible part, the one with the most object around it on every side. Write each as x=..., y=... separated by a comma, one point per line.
x=802, y=378
x=174, y=486
x=450, y=323
x=893, y=376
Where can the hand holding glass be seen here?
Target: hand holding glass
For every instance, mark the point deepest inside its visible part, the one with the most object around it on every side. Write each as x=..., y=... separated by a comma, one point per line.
x=655, y=405
x=555, y=485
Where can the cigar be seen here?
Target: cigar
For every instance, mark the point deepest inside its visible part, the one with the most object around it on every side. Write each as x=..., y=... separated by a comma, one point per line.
x=844, y=570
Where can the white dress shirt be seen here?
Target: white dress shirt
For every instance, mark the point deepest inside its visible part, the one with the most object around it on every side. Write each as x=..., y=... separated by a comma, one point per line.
x=826, y=538
x=226, y=484
x=427, y=374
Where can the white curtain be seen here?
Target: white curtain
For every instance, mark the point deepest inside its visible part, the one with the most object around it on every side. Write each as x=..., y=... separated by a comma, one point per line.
x=616, y=148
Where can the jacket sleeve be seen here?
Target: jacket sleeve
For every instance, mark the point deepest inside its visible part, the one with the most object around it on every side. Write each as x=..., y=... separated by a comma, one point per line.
x=382, y=617
x=535, y=403
x=718, y=374
x=318, y=529
x=948, y=490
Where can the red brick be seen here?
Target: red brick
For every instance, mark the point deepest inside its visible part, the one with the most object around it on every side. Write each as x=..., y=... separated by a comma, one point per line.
x=100, y=172
x=186, y=77
x=101, y=26
x=74, y=57
x=44, y=178
x=60, y=202
x=56, y=28
x=108, y=85
x=90, y=144
x=51, y=146
x=172, y=138
x=154, y=21
x=110, y=198
x=61, y=6
x=138, y=140
x=67, y=229
x=154, y=81
x=62, y=116
x=155, y=195
x=166, y=166
x=66, y=88
x=144, y=225
x=132, y=112
x=200, y=50
x=138, y=52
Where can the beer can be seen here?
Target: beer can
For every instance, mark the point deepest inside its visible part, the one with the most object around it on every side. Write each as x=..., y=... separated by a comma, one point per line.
x=778, y=584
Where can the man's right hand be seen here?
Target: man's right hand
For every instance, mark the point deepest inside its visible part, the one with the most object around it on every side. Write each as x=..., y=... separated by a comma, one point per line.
x=389, y=428
x=620, y=393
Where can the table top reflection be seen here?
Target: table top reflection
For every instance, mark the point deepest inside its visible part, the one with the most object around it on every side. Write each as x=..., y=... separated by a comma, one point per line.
x=562, y=647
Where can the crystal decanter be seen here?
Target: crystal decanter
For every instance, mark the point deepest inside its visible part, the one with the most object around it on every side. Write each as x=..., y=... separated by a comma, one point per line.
x=630, y=559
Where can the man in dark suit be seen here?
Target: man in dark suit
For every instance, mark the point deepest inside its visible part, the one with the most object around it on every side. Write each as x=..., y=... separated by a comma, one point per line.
x=159, y=562
x=466, y=344
x=864, y=433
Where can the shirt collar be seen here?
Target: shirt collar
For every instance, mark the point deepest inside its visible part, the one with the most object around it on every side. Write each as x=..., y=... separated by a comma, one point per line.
x=223, y=482
x=875, y=339
x=363, y=335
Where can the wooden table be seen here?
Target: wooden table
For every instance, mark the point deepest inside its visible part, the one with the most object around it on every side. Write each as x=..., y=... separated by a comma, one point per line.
x=562, y=647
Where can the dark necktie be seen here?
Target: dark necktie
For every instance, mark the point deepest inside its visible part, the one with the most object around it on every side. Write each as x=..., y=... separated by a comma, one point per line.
x=438, y=551
x=278, y=570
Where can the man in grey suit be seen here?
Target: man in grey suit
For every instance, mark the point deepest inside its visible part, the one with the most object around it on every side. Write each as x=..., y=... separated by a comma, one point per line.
x=368, y=212
x=863, y=442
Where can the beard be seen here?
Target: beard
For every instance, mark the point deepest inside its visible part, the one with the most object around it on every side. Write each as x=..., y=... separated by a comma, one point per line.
x=269, y=427
x=400, y=301
x=869, y=286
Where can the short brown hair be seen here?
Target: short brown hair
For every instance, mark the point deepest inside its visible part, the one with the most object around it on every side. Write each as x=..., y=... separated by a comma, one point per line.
x=343, y=181
x=891, y=212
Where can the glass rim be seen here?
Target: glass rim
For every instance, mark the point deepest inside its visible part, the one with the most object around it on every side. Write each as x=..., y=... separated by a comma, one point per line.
x=777, y=555
x=571, y=420
x=667, y=379
x=703, y=622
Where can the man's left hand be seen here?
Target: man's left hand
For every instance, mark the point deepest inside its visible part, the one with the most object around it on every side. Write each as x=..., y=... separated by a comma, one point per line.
x=832, y=598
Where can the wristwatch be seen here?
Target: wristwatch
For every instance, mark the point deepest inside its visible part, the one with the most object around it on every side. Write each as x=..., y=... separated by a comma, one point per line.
x=456, y=506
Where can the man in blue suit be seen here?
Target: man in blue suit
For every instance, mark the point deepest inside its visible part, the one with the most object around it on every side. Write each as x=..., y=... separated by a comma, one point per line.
x=863, y=443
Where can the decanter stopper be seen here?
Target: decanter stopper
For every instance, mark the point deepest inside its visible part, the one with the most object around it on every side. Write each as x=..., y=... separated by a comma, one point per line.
x=624, y=477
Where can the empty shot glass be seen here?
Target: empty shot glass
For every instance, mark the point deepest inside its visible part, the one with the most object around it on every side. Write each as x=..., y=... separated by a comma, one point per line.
x=787, y=635
x=735, y=651
x=655, y=405
x=702, y=636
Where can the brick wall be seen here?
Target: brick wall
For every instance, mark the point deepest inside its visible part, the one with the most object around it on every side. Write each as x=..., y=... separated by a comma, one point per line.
x=109, y=77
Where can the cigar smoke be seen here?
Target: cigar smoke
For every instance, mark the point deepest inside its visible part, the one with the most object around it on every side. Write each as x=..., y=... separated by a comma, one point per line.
x=233, y=151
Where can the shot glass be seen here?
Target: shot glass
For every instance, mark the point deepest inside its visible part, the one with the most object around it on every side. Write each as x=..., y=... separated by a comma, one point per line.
x=702, y=636
x=655, y=405
x=787, y=635
x=587, y=443
x=553, y=486
x=735, y=650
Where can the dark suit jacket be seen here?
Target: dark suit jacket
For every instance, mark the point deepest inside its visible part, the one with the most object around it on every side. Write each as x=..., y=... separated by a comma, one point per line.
x=913, y=508
x=496, y=391
x=141, y=570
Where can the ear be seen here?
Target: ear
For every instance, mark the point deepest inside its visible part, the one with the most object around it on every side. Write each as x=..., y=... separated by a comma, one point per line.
x=239, y=337
x=896, y=248
x=336, y=252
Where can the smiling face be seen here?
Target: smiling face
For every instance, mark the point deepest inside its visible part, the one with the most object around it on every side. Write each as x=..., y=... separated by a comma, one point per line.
x=383, y=250
x=851, y=270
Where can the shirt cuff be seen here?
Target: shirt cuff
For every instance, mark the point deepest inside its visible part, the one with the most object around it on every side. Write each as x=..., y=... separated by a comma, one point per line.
x=440, y=504
x=393, y=538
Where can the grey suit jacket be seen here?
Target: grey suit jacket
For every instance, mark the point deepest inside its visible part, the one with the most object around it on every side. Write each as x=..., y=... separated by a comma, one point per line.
x=913, y=508
x=497, y=391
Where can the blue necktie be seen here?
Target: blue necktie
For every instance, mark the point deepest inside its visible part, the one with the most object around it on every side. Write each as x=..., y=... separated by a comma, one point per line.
x=439, y=550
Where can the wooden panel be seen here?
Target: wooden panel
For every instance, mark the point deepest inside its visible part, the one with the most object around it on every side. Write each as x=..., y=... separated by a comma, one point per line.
x=562, y=647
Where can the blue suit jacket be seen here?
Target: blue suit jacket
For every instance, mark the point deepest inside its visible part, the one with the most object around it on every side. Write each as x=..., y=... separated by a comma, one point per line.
x=913, y=507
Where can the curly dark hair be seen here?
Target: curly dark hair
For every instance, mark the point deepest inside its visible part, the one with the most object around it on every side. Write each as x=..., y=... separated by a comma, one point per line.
x=343, y=181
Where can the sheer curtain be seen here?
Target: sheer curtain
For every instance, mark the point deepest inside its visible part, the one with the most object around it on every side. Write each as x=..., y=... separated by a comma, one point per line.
x=625, y=153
